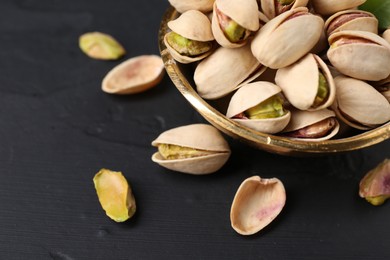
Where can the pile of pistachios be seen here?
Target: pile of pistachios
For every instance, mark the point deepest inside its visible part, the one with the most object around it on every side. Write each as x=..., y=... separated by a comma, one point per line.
x=329, y=63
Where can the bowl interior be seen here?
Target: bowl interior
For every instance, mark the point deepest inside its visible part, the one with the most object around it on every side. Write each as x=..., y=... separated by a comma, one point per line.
x=213, y=111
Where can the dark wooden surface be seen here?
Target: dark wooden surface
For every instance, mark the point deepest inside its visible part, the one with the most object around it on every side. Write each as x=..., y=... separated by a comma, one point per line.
x=57, y=129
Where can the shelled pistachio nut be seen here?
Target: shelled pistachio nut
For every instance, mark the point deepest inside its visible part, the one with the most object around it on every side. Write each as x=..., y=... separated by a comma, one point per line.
x=195, y=149
x=316, y=125
x=359, y=54
x=225, y=70
x=386, y=35
x=360, y=105
x=191, y=38
x=234, y=21
x=101, y=46
x=273, y=8
x=115, y=195
x=286, y=38
x=374, y=186
x=201, y=5
x=351, y=20
x=257, y=202
x=307, y=84
x=134, y=75
x=259, y=106
x=329, y=7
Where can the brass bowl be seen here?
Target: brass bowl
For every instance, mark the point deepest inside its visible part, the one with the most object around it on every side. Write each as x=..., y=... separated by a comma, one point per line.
x=181, y=75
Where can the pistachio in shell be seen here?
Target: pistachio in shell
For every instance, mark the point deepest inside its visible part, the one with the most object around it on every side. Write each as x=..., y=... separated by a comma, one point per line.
x=257, y=202
x=259, y=106
x=318, y=125
x=329, y=7
x=307, y=84
x=134, y=75
x=359, y=104
x=375, y=185
x=115, y=195
x=383, y=87
x=359, y=54
x=185, y=5
x=101, y=46
x=287, y=38
x=351, y=20
x=225, y=70
x=273, y=8
x=194, y=149
x=234, y=21
x=191, y=38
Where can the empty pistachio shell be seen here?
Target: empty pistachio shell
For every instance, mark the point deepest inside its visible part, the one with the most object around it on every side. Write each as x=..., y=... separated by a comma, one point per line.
x=256, y=204
x=102, y=46
x=329, y=7
x=194, y=149
x=134, y=75
x=115, y=195
x=374, y=186
x=185, y=5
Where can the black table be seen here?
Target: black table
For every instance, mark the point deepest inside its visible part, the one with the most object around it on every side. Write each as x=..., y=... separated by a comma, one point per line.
x=58, y=128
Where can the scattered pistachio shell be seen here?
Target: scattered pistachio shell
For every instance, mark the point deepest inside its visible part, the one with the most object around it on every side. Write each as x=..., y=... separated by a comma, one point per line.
x=375, y=185
x=256, y=204
x=101, y=46
x=134, y=75
x=115, y=195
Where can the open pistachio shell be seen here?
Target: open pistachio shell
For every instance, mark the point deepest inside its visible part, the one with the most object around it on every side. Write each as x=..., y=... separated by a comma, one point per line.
x=201, y=137
x=300, y=83
x=185, y=5
x=273, y=8
x=134, y=75
x=360, y=105
x=244, y=14
x=286, y=38
x=256, y=204
x=386, y=35
x=302, y=119
x=249, y=96
x=359, y=54
x=226, y=70
x=329, y=7
x=192, y=25
x=351, y=20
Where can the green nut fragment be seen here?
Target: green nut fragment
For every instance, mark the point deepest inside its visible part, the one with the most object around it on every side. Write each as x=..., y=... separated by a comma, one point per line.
x=115, y=195
x=172, y=152
x=101, y=46
x=323, y=91
x=375, y=185
x=188, y=47
x=270, y=108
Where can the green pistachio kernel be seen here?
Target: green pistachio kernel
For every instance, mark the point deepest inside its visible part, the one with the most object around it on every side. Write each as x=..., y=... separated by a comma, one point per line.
x=270, y=108
x=102, y=46
x=188, y=47
x=323, y=91
x=378, y=200
x=234, y=32
x=171, y=152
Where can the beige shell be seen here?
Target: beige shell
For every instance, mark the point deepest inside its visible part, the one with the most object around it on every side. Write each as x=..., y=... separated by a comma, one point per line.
x=367, y=23
x=245, y=14
x=366, y=61
x=329, y=7
x=301, y=119
x=226, y=70
x=299, y=82
x=134, y=75
x=386, y=35
x=270, y=10
x=280, y=42
x=256, y=204
x=185, y=5
x=383, y=87
x=197, y=136
x=251, y=95
x=192, y=25
x=359, y=105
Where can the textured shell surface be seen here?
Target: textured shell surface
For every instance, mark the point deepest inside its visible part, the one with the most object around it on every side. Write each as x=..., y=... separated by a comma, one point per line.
x=329, y=7
x=185, y=5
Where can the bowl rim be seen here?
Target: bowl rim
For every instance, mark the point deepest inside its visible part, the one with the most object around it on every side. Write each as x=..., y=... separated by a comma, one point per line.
x=267, y=142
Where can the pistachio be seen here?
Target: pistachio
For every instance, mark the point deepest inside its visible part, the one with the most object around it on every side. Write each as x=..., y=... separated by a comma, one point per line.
x=323, y=90
x=257, y=202
x=375, y=185
x=115, y=195
x=329, y=7
x=134, y=75
x=98, y=45
x=232, y=30
x=200, y=5
x=273, y=8
x=270, y=108
x=194, y=149
x=188, y=47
